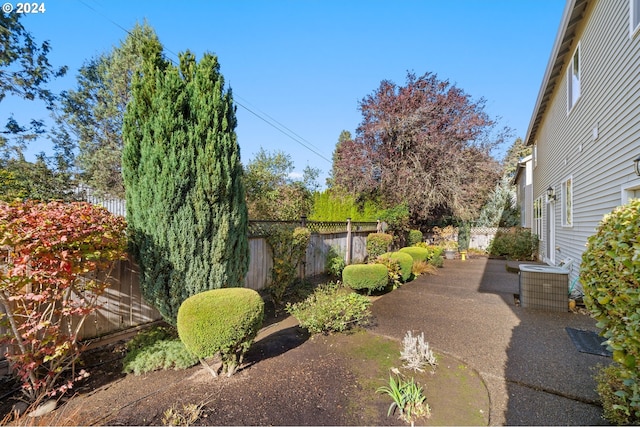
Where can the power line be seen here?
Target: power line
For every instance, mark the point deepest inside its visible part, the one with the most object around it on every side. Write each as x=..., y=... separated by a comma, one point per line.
x=281, y=131
x=262, y=115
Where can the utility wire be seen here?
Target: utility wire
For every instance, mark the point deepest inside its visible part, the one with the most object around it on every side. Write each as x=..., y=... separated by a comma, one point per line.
x=262, y=115
x=281, y=131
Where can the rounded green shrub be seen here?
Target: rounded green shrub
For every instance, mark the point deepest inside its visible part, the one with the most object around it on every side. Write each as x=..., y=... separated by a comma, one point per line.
x=610, y=275
x=518, y=243
x=369, y=277
x=415, y=236
x=417, y=253
x=404, y=260
x=221, y=322
x=377, y=244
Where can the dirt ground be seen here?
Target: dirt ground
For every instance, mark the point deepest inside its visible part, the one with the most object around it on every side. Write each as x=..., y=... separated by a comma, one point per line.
x=288, y=378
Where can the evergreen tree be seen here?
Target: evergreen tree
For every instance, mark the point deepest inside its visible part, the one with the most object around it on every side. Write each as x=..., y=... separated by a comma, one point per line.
x=91, y=115
x=500, y=209
x=181, y=165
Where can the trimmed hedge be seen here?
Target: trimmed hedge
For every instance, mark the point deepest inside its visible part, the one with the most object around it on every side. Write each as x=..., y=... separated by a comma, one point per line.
x=404, y=260
x=417, y=253
x=369, y=277
x=518, y=243
x=377, y=244
x=221, y=321
x=610, y=275
x=415, y=236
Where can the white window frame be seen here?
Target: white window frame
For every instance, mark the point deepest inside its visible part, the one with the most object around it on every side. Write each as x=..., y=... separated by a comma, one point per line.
x=567, y=202
x=538, y=209
x=629, y=190
x=634, y=17
x=574, y=78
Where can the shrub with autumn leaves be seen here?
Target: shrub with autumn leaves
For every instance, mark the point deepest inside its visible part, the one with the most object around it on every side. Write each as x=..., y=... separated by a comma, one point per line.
x=46, y=294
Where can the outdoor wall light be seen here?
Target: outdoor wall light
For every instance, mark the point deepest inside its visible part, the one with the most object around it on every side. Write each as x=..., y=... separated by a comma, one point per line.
x=636, y=165
x=550, y=194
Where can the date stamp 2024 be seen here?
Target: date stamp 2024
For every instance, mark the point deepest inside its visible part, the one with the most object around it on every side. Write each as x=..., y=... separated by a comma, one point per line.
x=23, y=8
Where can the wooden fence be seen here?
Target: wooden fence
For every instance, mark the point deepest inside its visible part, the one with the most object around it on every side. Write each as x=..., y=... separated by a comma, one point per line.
x=347, y=238
x=481, y=237
x=122, y=306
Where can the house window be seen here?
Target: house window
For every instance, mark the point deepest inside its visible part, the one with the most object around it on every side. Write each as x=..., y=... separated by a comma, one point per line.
x=537, y=217
x=567, y=202
x=634, y=9
x=573, y=80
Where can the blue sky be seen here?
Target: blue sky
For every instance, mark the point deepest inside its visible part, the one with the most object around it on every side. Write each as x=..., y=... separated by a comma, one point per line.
x=306, y=64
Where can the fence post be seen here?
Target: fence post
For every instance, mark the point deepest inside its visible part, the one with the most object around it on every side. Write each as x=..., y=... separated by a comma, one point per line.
x=348, y=254
x=303, y=223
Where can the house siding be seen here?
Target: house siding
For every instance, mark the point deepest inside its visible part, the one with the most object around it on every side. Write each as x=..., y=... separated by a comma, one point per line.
x=609, y=102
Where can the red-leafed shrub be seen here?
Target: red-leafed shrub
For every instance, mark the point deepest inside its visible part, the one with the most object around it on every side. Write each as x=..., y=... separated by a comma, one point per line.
x=46, y=249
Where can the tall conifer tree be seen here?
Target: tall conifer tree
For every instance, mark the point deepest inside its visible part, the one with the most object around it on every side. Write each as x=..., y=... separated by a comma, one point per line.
x=181, y=165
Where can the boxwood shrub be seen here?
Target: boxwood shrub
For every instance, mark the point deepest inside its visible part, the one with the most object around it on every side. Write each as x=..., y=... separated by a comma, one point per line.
x=415, y=236
x=365, y=277
x=417, y=253
x=404, y=260
x=610, y=275
x=221, y=322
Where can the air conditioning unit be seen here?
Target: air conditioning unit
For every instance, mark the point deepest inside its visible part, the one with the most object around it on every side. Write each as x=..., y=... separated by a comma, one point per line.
x=544, y=287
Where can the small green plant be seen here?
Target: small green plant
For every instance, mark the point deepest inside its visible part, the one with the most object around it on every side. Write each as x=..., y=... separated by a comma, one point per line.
x=189, y=414
x=394, y=273
x=221, y=322
x=365, y=277
x=331, y=308
x=334, y=262
x=415, y=236
x=407, y=397
x=377, y=244
x=437, y=261
x=289, y=249
x=154, y=349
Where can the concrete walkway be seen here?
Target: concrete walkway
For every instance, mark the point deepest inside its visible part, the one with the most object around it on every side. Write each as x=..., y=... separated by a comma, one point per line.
x=534, y=373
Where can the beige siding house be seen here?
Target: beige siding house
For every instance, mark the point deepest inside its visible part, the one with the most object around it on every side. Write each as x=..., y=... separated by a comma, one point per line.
x=585, y=128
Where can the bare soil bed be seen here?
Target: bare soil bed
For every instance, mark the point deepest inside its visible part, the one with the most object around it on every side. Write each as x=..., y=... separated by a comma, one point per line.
x=288, y=378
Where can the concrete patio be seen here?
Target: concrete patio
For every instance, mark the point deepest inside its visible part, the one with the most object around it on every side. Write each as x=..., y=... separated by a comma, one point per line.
x=533, y=371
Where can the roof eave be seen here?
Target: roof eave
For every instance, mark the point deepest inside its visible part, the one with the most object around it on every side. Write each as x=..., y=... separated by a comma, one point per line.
x=571, y=17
